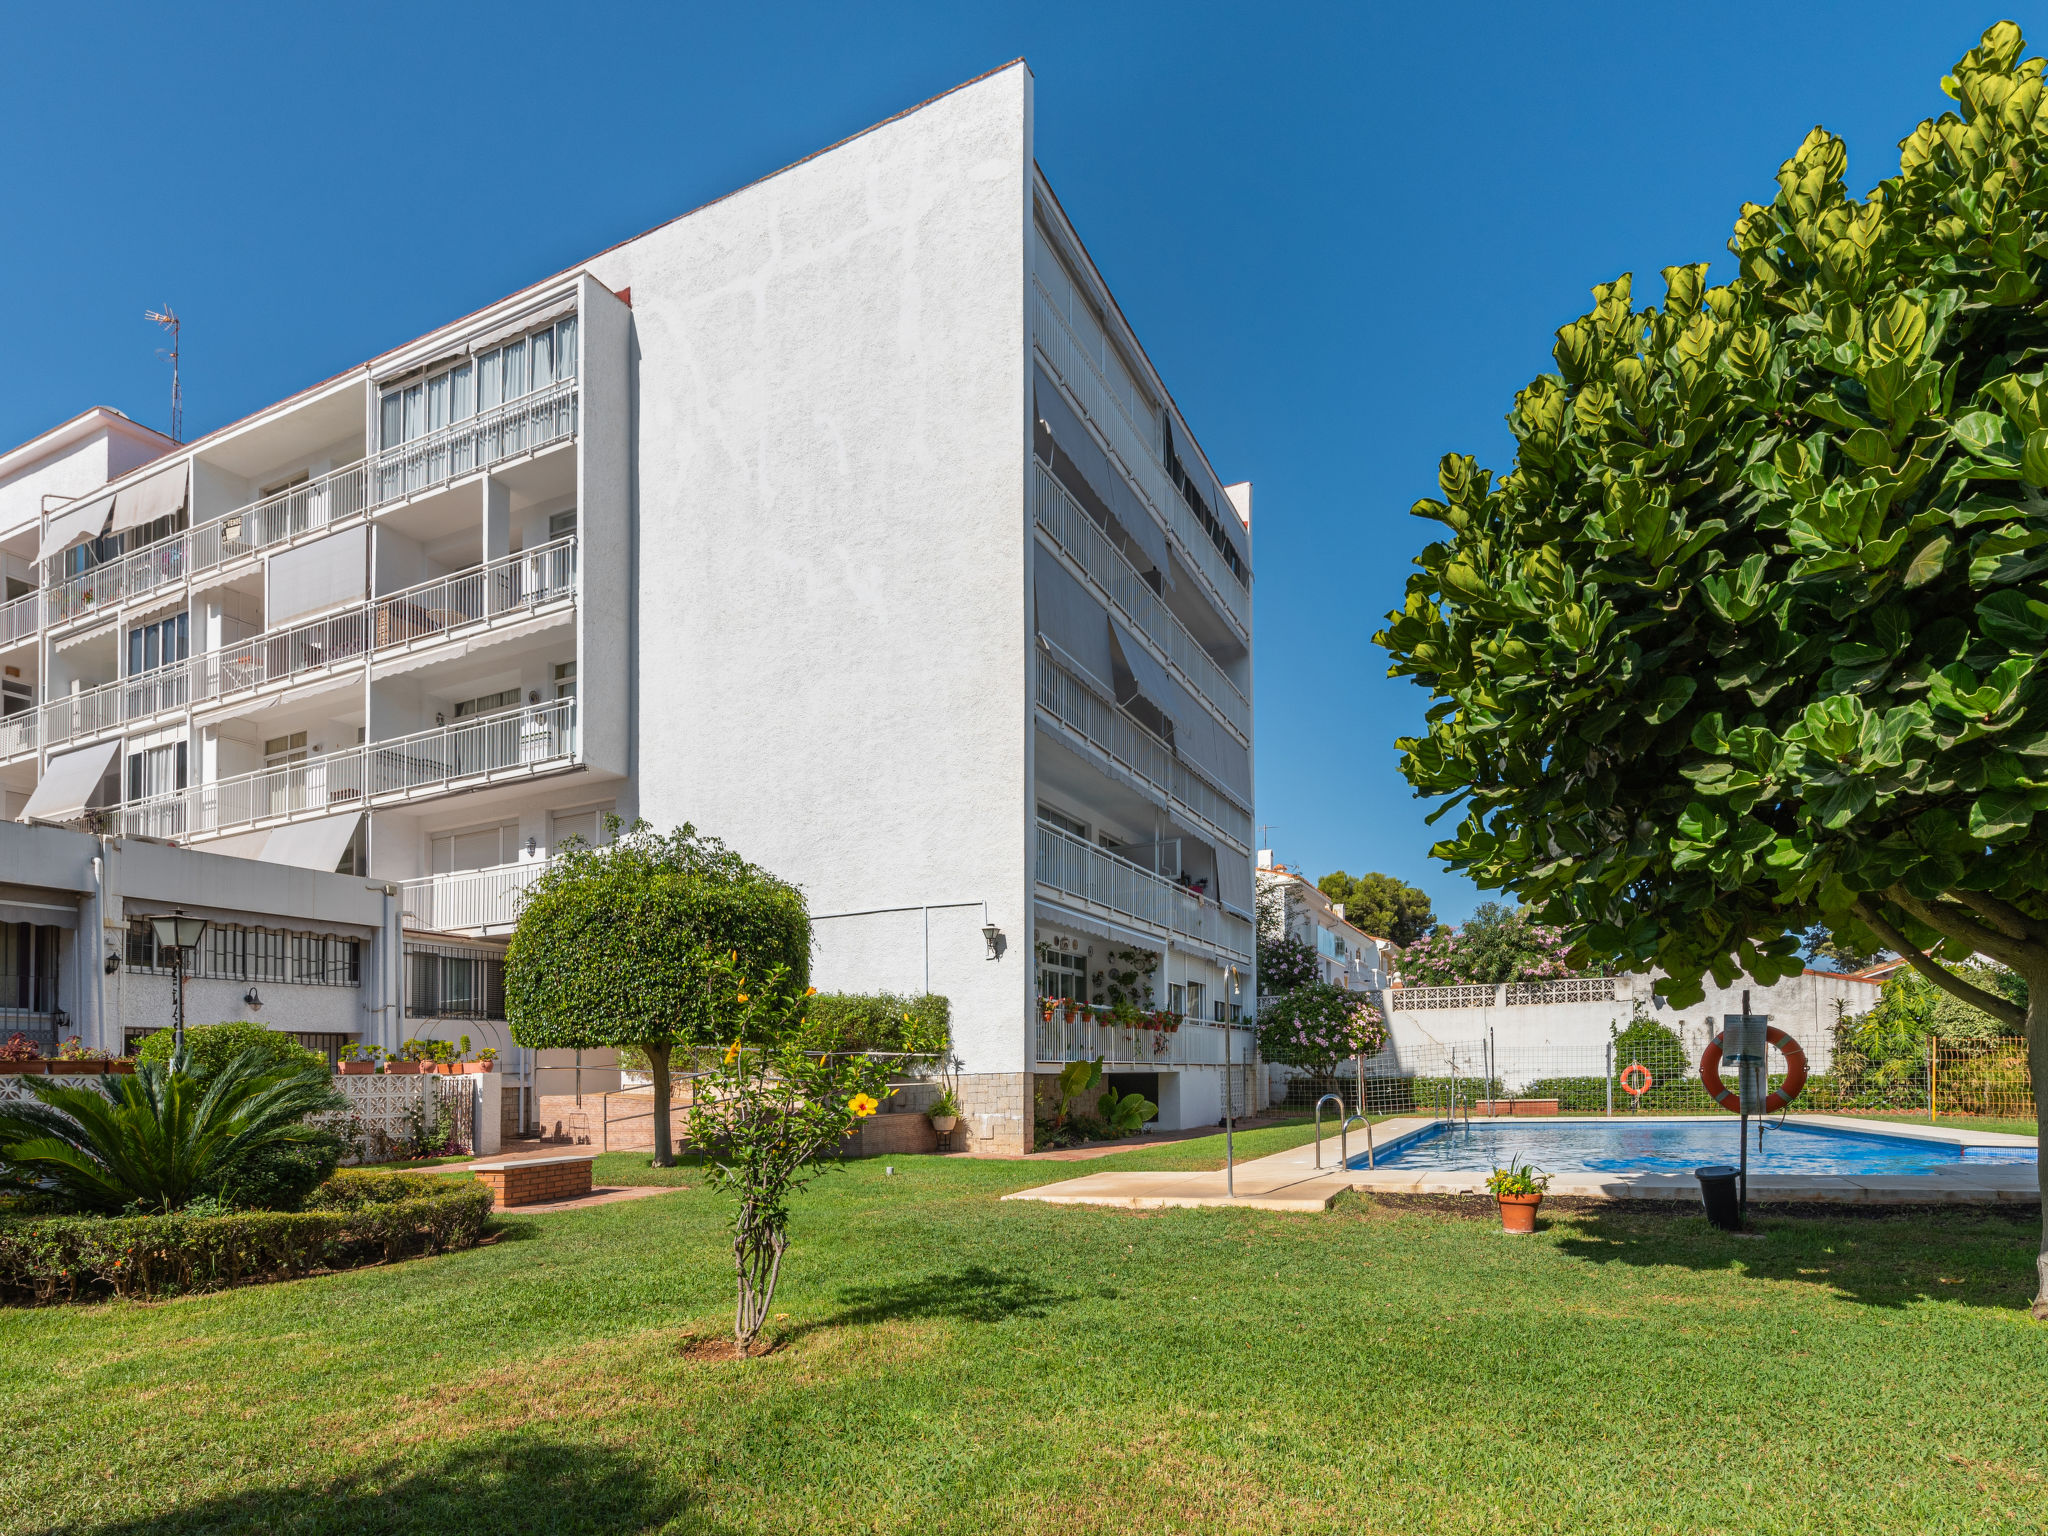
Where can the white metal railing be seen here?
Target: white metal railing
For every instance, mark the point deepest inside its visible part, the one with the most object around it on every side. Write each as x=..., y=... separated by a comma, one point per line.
x=517, y=741
x=1192, y=1045
x=1098, y=877
x=1074, y=704
x=525, y=424
x=478, y=898
x=1075, y=532
x=509, y=585
x=21, y=618
x=1080, y=372
x=317, y=505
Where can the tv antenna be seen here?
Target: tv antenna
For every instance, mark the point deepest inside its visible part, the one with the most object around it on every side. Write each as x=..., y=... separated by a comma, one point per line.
x=168, y=319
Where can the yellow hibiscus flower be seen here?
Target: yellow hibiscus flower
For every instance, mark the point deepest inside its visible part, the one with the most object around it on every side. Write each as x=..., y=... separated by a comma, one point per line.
x=863, y=1106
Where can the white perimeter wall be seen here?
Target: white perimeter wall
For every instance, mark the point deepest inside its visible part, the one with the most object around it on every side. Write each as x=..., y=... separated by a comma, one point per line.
x=831, y=429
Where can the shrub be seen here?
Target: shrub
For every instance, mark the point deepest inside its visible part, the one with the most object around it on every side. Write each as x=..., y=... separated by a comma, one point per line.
x=878, y=1021
x=1318, y=1025
x=61, y=1257
x=212, y=1046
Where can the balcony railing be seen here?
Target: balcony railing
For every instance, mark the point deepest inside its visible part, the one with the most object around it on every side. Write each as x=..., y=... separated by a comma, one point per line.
x=520, y=740
x=318, y=505
x=21, y=618
x=1101, y=879
x=1075, y=532
x=473, y=899
x=1070, y=701
x=1082, y=374
x=510, y=585
x=1192, y=1045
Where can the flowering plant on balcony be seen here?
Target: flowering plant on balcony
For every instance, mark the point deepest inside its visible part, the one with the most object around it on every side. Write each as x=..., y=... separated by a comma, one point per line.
x=75, y=1049
x=20, y=1048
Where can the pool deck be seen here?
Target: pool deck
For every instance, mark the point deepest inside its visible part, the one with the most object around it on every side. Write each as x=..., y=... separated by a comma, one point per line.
x=1290, y=1181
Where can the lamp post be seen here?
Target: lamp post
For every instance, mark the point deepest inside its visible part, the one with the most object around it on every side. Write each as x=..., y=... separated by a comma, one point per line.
x=178, y=933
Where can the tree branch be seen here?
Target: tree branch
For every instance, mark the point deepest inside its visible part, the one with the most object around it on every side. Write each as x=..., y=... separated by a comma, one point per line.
x=1999, y=1008
x=2008, y=918
x=1948, y=920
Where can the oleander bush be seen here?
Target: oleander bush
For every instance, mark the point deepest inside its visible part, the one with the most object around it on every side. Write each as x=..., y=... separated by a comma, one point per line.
x=356, y=1218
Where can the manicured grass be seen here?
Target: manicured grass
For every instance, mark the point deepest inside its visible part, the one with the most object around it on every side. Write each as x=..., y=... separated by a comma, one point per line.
x=1964, y=1123
x=949, y=1363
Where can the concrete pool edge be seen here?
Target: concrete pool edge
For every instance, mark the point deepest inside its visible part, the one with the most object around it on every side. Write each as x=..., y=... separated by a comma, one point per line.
x=1291, y=1181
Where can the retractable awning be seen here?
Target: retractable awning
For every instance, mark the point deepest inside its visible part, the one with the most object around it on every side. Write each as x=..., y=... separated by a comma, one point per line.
x=74, y=525
x=1071, y=619
x=147, y=500
x=312, y=844
x=68, y=784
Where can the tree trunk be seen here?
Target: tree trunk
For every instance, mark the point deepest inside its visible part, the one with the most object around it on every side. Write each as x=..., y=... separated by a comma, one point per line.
x=2037, y=1075
x=657, y=1066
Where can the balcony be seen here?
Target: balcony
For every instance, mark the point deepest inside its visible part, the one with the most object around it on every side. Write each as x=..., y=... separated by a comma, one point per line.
x=471, y=901
x=1075, y=532
x=21, y=618
x=1192, y=1045
x=518, y=743
x=311, y=509
x=1065, y=698
x=507, y=589
x=1117, y=887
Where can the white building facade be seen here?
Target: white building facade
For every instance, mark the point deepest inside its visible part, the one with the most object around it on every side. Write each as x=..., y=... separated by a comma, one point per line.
x=844, y=518
x=1346, y=955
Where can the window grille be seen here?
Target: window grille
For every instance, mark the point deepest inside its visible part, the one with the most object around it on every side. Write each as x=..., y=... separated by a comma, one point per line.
x=454, y=983
x=230, y=952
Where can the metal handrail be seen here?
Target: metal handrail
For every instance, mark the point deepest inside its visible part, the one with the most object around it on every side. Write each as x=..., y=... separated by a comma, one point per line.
x=1344, y=1142
x=1328, y=1098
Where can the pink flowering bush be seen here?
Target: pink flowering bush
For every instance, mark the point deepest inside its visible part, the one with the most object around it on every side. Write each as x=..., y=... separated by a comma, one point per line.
x=1498, y=945
x=1318, y=1025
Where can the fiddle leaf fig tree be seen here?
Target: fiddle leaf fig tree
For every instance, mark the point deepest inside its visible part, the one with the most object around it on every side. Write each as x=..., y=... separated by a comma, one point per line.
x=618, y=947
x=1750, y=637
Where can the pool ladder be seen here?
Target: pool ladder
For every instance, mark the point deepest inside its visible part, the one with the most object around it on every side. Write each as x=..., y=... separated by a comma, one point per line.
x=1343, y=1134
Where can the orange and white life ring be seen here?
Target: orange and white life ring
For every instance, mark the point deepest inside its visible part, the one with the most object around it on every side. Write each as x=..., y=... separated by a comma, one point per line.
x=1636, y=1079
x=1778, y=1098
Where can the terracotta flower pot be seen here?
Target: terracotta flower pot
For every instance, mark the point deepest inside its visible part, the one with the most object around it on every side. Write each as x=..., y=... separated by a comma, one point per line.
x=121, y=1065
x=33, y=1064
x=1518, y=1212
x=354, y=1068
x=944, y=1124
x=77, y=1068
x=402, y=1068
x=467, y=1068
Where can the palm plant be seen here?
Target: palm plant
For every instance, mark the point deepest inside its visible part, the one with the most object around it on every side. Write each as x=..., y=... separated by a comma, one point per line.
x=153, y=1140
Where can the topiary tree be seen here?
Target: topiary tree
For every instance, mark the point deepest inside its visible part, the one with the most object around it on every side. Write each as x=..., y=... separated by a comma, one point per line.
x=209, y=1047
x=1749, y=639
x=1319, y=1024
x=615, y=947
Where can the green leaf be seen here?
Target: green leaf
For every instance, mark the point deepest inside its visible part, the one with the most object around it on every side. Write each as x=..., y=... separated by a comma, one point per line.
x=1998, y=817
x=1671, y=696
x=1928, y=562
x=2014, y=620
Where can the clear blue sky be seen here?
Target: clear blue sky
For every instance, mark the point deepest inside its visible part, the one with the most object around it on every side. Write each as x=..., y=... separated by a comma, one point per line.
x=1345, y=235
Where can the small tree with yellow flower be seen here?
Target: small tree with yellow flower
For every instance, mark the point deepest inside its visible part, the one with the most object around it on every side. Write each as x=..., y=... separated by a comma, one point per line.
x=766, y=1115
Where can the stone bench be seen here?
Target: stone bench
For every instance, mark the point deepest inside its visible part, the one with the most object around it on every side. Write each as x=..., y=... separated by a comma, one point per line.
x=536, y=1180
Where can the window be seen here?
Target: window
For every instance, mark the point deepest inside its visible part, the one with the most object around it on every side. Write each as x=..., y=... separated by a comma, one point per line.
x=1063, y=821
x=587, y=826
x=1198, y=1000
x=561, y=524
x=156, y=771
x=230, y=952
x=483, y=848
x=159, y=645
x=487, y=704
x=1063, y=973
x=565, y=679
x=283, y=751
x=1176, y=998
x=28, y=967
x=264, y=493
x=454, y=984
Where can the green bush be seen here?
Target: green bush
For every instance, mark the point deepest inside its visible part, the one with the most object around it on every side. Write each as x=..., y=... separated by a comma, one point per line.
x=349, y=1221
x=878, y=1021
x=212, y=1046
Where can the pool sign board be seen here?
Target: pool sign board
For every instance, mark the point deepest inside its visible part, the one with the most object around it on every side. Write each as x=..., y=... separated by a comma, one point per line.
x=1743, y=1046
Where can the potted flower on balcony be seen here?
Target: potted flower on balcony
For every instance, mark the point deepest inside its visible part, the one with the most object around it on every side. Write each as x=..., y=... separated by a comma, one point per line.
x=75, y=1058
x=486, y=1059
x=1517, y=1189
x=408, y=1061
x=357, y=1060
x=20, y=1054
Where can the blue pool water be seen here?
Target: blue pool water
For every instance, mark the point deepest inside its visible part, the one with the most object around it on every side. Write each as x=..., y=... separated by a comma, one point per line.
x=1679, y=1146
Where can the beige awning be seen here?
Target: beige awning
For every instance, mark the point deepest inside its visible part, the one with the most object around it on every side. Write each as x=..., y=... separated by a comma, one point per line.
x=69, y=783
x=75, y=524
x=312, y=844
x=158, y=496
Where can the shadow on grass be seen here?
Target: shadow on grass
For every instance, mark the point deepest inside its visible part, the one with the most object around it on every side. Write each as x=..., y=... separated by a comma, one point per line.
x=513, y=1485
x=1978, y=1257
x=973, y=1294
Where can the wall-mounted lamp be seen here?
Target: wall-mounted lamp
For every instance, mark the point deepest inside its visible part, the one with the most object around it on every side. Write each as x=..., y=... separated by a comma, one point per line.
x=440, y=718
x=253, y=998
x=113, y=962
x=994, y=936
x=533, y=845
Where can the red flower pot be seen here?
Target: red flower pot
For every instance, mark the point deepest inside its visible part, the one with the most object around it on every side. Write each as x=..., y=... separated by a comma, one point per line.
x=354, y=1068
x=1518, y=1212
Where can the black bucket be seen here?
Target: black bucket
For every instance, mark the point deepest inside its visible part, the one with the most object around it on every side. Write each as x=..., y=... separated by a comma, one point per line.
x=1717, y=1193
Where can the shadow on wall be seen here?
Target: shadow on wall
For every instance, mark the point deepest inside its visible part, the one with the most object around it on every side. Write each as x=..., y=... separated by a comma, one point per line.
x=1977, y=1257
x=511, y=1484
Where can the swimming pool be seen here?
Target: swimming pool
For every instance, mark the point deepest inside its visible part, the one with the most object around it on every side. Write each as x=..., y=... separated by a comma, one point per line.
x=1675, y=1146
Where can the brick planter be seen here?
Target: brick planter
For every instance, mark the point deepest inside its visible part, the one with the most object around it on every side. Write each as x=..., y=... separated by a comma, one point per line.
x=535, y=1180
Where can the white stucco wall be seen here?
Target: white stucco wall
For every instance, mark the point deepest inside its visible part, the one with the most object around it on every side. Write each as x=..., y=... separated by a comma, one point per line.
x=831, y=426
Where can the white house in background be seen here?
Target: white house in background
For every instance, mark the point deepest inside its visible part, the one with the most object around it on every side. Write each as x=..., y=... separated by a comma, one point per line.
x=1345, y=953
x=844, y=517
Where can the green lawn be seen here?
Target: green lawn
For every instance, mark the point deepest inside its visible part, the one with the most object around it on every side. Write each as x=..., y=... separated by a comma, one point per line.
x=949, y=1364
x=1963, y=1123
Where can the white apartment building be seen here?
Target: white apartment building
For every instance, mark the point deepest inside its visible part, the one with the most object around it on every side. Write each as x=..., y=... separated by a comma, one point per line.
x=844, y=517
x=1346, y=955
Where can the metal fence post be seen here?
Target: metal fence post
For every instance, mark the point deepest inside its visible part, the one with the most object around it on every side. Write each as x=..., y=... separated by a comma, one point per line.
x=1610, y=1077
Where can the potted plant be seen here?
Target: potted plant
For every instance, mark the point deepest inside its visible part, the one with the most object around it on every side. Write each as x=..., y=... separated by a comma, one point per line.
x=20, y=1054
x=945, y=1112
x=356, y=1060
x=1517, y=1189
x=486, y=1060
x=75, y=1058
x=408, y=1061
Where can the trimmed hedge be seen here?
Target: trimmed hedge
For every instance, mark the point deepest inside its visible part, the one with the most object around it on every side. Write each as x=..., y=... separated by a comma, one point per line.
x=879, y=1021
x=355, y=1218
